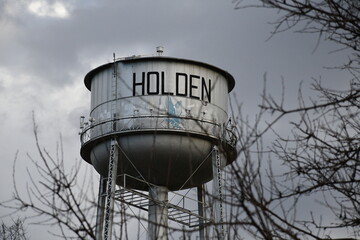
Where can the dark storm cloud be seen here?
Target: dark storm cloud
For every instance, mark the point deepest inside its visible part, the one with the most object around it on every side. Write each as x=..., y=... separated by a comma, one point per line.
x=50, y=48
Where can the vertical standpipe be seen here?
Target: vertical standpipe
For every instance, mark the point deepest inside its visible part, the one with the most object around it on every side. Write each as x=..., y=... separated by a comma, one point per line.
x=158, y=213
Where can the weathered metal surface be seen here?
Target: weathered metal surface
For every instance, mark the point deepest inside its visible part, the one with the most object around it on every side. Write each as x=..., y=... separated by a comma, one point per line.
x=166, y=115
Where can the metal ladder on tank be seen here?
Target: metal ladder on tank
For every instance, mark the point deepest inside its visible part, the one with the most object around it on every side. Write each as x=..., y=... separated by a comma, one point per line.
x=114, y=92
x=103, y=229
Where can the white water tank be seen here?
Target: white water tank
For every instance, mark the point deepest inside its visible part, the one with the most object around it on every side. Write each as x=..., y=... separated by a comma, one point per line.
x=166, y=114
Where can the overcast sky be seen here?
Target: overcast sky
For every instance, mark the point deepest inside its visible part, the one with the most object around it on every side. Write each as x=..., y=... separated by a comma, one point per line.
x=47, y=47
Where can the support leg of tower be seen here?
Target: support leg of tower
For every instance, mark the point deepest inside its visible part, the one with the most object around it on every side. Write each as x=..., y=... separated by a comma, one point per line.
x=100, y=210
x=218, y=194
x=110, y=189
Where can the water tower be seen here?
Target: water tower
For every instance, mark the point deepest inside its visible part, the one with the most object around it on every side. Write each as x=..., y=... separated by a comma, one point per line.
x=156, y=124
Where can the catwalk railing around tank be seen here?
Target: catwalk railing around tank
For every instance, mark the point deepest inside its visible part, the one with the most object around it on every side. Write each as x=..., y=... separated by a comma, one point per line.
x=158, y=123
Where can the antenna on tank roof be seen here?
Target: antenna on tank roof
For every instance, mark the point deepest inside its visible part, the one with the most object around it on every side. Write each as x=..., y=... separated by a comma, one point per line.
x=160, y=50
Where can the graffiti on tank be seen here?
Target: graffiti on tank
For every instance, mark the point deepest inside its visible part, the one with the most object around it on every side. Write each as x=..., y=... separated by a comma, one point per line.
x=173, y=111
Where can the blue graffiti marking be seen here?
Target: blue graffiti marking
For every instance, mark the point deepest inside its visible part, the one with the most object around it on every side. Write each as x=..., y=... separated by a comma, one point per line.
x=174, y=110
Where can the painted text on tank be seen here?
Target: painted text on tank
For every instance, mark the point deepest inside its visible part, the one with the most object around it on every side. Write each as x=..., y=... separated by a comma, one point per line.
x=185, y=85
